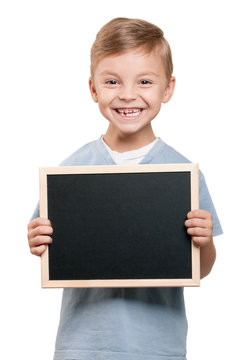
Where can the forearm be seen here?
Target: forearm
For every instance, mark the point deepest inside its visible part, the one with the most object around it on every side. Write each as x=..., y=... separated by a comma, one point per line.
x=207, y=258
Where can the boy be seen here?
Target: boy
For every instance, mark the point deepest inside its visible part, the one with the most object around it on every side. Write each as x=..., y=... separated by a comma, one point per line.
x=131, y=76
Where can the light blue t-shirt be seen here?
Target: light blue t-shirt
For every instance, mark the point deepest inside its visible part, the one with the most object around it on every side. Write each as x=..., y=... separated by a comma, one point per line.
x=126, y=323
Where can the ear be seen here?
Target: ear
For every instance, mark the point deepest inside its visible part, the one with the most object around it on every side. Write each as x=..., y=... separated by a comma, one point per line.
x=169, y=90
x=93, y=90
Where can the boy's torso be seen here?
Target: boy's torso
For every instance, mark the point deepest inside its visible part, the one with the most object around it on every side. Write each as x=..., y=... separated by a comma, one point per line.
x=133, y=323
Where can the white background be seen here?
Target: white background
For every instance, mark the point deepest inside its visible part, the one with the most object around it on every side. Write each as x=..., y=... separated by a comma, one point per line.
x=47, y=113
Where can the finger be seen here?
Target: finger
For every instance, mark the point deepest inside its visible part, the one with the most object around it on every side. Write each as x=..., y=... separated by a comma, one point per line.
x=40, y=240
x=200, y=241
x=39, y=250
x=38, y=222
x=40, y=230
x=195, y=222
x=198, y=231
x=200, y=214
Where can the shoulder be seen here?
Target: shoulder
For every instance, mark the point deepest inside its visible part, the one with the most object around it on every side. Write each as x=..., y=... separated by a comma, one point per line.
x=85, y=155
x=168, y=154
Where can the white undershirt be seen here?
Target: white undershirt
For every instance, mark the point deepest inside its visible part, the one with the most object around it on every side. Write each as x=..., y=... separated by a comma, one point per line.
x=129, y=157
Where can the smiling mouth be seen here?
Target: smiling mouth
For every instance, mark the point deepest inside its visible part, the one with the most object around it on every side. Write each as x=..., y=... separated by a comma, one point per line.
x=129, y=112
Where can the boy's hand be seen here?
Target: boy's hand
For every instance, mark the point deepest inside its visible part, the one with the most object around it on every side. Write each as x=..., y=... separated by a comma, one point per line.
x=39, y=235
x=200, y=226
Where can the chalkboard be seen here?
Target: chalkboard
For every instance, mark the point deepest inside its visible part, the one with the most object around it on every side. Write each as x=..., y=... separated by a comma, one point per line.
x=119, y=226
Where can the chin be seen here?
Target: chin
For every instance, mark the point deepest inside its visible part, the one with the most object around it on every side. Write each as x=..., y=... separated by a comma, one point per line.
x=131, y=131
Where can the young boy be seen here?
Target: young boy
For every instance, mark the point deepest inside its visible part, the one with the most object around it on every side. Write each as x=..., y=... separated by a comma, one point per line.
x=131, y=76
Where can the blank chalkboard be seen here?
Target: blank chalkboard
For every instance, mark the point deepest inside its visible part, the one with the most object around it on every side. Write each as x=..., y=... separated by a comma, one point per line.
x=119, y=226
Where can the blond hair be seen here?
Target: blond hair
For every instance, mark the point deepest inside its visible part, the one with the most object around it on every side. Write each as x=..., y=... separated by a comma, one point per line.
x=122, y=34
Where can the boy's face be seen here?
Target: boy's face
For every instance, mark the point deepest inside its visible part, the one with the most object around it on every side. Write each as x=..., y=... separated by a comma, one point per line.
x=130, y=89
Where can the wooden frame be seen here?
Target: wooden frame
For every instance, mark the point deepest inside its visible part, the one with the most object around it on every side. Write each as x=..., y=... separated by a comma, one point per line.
x=117, y=169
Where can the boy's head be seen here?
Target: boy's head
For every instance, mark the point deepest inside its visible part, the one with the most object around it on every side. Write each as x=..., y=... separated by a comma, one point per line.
x=131, y=68
x=122, y=34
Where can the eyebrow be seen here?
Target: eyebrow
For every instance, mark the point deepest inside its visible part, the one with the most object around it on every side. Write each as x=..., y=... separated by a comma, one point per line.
x=109, y=73
x=148, y=73
x=105, y=72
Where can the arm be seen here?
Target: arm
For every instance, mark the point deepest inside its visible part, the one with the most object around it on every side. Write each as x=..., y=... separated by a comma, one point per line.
x=39, y=235
x=200, y=227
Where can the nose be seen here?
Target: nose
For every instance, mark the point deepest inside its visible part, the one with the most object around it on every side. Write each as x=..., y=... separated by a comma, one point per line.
x=127, y=93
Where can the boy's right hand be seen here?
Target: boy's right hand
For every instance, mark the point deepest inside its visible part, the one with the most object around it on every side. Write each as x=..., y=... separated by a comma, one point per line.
x=39, y=235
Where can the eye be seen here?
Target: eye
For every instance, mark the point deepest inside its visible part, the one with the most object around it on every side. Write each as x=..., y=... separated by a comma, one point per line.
x=111, y=82
x=145, y=82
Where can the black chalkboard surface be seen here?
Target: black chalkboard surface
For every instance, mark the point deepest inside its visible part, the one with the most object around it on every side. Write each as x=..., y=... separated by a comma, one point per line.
x=119, y=226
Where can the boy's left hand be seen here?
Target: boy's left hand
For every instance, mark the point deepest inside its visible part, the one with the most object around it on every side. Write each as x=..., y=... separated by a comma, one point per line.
x=200, y=226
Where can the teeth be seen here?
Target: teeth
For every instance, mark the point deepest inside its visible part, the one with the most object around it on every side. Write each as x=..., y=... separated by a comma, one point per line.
x=129, y=111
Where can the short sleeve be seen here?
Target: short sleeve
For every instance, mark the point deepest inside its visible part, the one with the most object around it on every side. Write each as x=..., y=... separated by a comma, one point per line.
x=36, y=212
x=205, y=203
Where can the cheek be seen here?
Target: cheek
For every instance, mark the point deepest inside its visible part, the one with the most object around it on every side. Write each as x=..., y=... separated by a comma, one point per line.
x=103, y=106
x=104, y=99
x=154, y=99
x=159, y=98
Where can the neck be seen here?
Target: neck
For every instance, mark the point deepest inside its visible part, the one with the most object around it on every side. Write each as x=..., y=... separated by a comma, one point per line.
x=126, y=142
